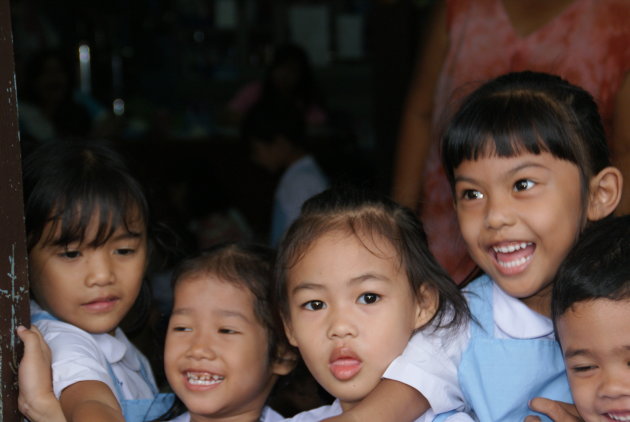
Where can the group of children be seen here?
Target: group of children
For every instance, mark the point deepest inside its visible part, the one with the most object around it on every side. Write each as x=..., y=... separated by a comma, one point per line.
x=353, y=290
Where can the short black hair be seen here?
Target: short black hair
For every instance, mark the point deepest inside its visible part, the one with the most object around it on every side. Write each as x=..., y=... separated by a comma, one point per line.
x=531, y=112
x=597, y=267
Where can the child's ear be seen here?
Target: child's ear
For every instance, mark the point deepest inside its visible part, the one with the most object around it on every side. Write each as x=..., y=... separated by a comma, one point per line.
x=288, y=330
x=285, y=362
x=604, y=193
x=428, y=302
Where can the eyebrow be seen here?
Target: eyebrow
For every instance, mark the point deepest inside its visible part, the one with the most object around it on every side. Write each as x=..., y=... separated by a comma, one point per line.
x=571, y=353
x=511, y=171
x=227, y=313
x=354, y=280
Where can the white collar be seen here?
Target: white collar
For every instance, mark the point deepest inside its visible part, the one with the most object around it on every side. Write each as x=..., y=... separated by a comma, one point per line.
x=115, y=349
x=515, y=320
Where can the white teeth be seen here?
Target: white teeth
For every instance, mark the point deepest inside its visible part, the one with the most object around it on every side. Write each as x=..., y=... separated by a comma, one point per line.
x=516, y=262
x=618, y=418
x=203, y=378
x=511, y=248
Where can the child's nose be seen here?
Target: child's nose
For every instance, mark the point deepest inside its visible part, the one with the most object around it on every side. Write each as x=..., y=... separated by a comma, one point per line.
x=499, y=213
x=341, y=325
x=201, y=348
x=100, y=271
x=614, y=383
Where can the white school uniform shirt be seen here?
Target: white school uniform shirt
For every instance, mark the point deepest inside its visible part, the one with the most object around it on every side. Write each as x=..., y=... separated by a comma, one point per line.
x=80, y=356
x=334, y=409
x=431, y=360
x=267, y=415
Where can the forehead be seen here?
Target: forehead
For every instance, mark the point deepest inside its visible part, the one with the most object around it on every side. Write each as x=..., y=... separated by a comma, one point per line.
x=340, y=254
x=595, y=324
x=206, y=292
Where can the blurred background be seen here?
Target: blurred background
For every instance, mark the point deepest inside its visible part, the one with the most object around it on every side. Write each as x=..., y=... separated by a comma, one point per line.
x=168, y=81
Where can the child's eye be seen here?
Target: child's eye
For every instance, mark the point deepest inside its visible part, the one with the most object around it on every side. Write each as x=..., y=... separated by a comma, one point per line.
x=314, y=305
x=227, y=331
x=583, y=368
x=183, y=329
x=523, y=184
x=70, y=254
x=471, y=194
x=368, y=298
x=125, y=251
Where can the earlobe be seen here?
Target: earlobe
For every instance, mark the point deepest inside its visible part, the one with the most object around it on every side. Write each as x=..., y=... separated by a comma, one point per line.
x=427, y=305
x=604, y=193
x=288, y=330
x=285, y=362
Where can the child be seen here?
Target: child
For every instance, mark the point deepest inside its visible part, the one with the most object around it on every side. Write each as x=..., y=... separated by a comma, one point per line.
x=276, y=139
x=529, y=167
x=591, y=310
x=223, y=351
x=87, y=238
x=354, y=281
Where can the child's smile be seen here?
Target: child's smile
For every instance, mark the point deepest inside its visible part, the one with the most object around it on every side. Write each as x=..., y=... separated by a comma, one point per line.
x=215, y=352
x=596, y=344
x=519, y=216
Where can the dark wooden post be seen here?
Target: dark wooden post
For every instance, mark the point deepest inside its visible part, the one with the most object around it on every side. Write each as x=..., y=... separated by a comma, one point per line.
x=13, y=260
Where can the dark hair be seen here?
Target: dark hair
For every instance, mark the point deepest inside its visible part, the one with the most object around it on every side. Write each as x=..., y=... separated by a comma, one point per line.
x=528, y=112
x=364, y=212
x=68, y=183
x=305, y=90
x=244, y=265
x=265, y=121
x=597, y=267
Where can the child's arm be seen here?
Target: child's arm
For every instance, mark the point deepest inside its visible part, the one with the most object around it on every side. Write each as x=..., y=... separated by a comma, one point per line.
x=36, y=399
x=83, y=401
x=556, y=410
x=90, y=401
x=390, y=401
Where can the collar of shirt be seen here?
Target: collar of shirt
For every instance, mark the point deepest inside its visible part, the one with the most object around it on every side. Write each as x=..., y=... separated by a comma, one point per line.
x=514, y=319
x=115, y=349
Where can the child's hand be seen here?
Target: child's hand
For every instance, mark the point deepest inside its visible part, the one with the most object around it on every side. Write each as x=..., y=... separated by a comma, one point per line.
x=556, y=410
x=36, y=399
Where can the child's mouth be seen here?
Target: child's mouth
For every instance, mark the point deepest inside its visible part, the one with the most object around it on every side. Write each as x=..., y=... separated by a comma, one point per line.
x=344, y=364
x=103, y=304
x=203, y=378
x=512, y=257
x=618, y=416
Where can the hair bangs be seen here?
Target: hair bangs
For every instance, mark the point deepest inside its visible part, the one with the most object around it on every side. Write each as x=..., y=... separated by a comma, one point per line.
x=528, y=123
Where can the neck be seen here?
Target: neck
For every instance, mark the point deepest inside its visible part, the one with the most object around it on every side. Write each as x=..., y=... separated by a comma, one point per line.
x=541, y=301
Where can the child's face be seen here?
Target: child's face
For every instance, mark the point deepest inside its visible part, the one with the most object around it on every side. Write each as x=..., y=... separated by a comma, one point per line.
x=352, y=311
x=519, y=217
x=595, y=339
x=216, y=352
x=92, y=288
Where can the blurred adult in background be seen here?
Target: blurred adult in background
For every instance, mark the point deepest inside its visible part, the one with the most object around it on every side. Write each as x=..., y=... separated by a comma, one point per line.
x=288, y=79
x=50, y=108
x=584, y=41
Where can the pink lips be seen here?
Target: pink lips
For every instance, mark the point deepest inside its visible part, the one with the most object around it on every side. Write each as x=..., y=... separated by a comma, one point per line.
x=344, y=364
x=104, y=304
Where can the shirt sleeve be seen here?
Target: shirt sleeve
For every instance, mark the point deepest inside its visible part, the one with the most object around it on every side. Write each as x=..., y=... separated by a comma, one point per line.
x=75, y=356
x=430, y=363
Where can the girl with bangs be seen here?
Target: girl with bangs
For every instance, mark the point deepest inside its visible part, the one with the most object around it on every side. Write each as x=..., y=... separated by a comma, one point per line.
x=529, y=169
x=87, y=237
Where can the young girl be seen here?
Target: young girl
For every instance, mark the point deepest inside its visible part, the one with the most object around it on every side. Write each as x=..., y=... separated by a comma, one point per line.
x=529, y=168
x=591, y=309
x=223, y=351
x=87, y=224
x=354, y=281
